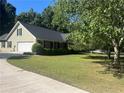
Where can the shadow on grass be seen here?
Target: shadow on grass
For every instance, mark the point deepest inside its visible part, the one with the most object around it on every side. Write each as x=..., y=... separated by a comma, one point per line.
x=19, y=57
x=108, y=65
x=64, y=54
x=110, y=69
x=96, y=57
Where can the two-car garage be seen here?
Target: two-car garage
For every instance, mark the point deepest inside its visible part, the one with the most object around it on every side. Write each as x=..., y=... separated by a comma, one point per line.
x=24, y=46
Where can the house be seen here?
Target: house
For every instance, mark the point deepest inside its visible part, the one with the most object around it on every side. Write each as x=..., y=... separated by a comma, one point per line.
x=23, y=36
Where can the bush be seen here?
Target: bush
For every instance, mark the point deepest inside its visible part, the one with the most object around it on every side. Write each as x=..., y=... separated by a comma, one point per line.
x=54, y=51
x=58, y=51
x=37, y=48
x=27, y=53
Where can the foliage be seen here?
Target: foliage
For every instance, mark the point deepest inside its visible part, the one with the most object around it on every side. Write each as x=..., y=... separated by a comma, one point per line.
x=37, y=48
x=107, y=21
x=76, y=43
x=55, y=51
x=47, y=17
x=43, y=19
x=7, y=17
x=60, y=18
x=68, y=15
x=27, y=17
x=100, y=20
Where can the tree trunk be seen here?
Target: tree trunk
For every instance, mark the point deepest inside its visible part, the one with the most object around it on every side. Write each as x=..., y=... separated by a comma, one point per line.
x=116, y=55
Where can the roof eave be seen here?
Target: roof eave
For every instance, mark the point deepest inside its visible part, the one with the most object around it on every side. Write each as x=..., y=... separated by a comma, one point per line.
x=51, y=40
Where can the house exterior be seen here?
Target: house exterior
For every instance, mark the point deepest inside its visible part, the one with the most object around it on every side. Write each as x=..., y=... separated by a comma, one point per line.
x=23, y=36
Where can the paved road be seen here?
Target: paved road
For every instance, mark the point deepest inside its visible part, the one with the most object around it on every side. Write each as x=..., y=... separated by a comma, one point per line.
x=16, y=80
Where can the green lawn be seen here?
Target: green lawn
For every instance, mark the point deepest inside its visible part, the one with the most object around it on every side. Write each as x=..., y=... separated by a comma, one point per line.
x=85, y=71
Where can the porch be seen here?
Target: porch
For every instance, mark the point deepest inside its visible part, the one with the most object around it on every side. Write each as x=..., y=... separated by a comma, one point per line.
x=54, y=45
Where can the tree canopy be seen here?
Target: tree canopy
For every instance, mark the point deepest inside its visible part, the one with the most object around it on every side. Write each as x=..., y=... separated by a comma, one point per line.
x=43, y=19
x=101, y=19
x=107, y=21
x=7, y=17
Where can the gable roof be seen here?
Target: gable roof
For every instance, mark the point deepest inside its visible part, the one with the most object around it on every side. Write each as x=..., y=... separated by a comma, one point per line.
x=45, y=34
x=40, y=33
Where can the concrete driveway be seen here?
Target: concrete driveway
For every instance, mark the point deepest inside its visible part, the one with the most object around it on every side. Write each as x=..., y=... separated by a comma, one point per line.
x=16, y=80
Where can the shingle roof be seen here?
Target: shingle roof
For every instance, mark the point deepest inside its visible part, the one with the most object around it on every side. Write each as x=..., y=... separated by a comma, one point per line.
x=45, y=34
x=40, y=33
x=3, y=37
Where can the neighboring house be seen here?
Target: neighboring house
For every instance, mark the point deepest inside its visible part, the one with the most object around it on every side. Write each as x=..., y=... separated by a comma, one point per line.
x=23, y=36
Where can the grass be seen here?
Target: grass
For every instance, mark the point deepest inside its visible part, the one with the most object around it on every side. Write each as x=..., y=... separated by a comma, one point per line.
x=85, y=71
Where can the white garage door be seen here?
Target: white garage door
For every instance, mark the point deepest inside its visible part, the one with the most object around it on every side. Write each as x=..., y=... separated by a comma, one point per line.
x=25, y=47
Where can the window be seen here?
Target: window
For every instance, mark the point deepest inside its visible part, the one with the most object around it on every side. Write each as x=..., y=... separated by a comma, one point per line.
x=19, y=32
x=56, y=45
x=2, y=44
x=47, y=44
x=9, y=44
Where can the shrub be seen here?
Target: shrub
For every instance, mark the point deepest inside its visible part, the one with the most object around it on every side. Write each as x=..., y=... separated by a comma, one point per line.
x=57, y=51
x=37, y=48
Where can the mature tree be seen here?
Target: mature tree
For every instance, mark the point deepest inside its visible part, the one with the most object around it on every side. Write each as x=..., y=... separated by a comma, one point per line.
x=107, y=20
x=67, y=14
x=61, y=17
x=47, y=17
x=7, y=17
x=27, y=17
x=103, y=19
x=76, y=41
x=43, y=19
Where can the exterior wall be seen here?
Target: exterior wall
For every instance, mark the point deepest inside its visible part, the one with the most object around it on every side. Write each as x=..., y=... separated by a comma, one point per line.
x=4, y=49
x=26, y=37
